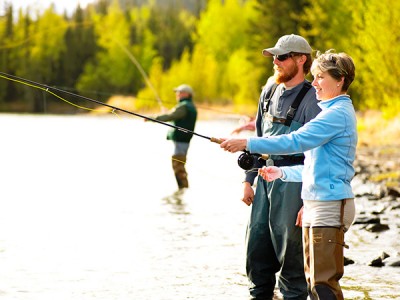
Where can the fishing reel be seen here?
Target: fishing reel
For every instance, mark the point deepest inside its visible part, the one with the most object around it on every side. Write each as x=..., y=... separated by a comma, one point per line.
x=246, y=160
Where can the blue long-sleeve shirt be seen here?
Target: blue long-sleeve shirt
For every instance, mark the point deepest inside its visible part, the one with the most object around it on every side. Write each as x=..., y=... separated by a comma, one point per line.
x=279, y=105
x=329, y=144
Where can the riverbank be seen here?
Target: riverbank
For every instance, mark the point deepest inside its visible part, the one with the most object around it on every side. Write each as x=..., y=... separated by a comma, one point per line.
x=378, y=155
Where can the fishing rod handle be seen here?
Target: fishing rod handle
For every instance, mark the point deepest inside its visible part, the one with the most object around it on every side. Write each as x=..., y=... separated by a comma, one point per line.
x=216, y=140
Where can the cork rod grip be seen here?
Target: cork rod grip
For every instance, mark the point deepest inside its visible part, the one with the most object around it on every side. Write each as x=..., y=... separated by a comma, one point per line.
x=216, y=140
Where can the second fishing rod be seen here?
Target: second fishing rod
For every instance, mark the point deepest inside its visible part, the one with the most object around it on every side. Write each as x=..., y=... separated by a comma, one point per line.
x=245, y=160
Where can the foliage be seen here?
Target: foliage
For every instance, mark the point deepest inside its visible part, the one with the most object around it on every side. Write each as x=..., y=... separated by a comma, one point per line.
x=40, y=56
x=110, y=67
x=270, y=20
x=147, y=47
x=353, y=27
x=379, y=67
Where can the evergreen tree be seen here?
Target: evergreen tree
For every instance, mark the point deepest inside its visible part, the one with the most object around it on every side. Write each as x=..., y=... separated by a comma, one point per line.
x=110, y=70
x=376, y=55
x=80, y=48
x=171, y=27
x=273, y=19
x=45, y=53
x=6, y=33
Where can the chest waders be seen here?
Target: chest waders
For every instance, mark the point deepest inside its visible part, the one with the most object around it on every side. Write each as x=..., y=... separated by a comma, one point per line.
x=324, y=260
x=181, y=140
x=178, y=165
x=273, y=241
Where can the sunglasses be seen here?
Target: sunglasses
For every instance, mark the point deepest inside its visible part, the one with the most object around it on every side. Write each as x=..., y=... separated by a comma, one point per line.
x=284, y=57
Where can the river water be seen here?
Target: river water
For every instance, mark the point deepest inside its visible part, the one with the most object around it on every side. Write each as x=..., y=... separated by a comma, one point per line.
x=88, y=211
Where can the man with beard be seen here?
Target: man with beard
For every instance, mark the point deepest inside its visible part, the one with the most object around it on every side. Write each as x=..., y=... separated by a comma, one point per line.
x=273, y=238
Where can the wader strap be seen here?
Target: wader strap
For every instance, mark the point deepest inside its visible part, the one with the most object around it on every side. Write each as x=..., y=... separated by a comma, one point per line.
x=342, y=212
x=267, y=97
x=293, y=108
x=341, y=221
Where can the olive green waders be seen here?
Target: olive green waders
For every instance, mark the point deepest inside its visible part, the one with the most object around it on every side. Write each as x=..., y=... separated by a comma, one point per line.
x=324, y=261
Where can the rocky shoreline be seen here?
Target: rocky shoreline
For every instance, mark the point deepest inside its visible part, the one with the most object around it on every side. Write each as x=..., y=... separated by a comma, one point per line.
x=377, y=191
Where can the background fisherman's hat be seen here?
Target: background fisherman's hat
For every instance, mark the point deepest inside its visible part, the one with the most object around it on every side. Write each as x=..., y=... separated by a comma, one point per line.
x=287, y=44
x=184, y=88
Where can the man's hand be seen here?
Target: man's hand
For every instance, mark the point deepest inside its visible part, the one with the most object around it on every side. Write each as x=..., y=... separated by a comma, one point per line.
x=251, y=125
x=248, y=193
x=234, y=145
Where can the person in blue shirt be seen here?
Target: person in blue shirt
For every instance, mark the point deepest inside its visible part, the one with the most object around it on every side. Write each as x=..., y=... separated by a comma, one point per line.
x=329, y=145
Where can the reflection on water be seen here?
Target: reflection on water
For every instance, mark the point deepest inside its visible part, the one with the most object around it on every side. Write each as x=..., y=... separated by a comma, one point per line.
x=89, y=210
x=176, y=202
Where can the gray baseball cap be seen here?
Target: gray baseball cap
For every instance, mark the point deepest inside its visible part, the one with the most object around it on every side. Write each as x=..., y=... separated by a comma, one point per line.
x=287, y=44
x=184, y=88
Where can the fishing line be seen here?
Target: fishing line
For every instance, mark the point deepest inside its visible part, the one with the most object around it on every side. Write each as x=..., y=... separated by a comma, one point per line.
x=49, y=89
x=246, y=160
x=128, y=53
x=43, y=88
x=252, y=170
x=144, y=99
x=139, y=67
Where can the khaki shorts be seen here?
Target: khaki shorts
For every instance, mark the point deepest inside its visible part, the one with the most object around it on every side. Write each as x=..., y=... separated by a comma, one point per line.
x=327, y=213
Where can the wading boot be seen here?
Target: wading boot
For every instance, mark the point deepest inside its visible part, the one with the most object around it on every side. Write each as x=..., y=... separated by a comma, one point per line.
x=178, y=165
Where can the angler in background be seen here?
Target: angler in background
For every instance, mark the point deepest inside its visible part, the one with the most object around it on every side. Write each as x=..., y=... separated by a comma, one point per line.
x=183, y=115
x=273, y=241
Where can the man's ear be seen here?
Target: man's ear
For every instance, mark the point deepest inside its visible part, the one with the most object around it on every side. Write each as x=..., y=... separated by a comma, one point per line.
x=302, y=59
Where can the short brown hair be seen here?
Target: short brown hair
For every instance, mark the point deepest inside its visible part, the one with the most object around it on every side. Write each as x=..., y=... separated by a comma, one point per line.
x=338, y=65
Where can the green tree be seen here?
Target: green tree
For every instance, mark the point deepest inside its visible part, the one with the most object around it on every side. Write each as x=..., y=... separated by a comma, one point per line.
x=272, y=19
x=378, y=66
x=222, y=27
x=6, y=32
x=217, y=67
x=353, y=27
x=228, y=42
x=110, y=69
x=171, y=27
x=38, y=56
x=80, y=47
x=18, y=60
x=323, y=21
x=143, y=42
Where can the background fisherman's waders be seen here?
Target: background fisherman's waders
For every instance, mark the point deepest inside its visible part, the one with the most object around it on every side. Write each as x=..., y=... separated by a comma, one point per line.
x=178, y=165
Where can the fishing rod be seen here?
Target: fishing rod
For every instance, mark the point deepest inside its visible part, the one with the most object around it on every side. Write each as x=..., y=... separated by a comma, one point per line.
x=246, y=160
x=48, y=88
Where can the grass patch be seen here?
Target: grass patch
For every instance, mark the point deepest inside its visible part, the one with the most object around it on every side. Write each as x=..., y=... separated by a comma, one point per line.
x=376, y=130
x=389, y=176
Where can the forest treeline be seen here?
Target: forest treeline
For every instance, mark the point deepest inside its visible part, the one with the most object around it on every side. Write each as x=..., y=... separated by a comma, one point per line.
x=145, y=48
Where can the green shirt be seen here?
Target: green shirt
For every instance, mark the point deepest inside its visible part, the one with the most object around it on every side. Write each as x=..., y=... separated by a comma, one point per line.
x=183, y=115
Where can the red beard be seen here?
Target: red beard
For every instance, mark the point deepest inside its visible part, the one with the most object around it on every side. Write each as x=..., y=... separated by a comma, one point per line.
x=285, y=76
